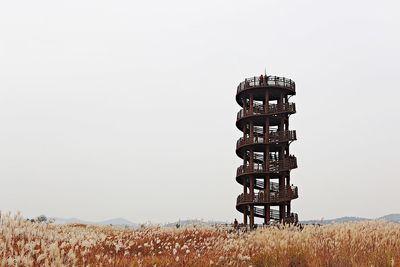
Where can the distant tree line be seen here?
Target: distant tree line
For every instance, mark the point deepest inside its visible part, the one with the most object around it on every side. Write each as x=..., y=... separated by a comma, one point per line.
x=41, y=219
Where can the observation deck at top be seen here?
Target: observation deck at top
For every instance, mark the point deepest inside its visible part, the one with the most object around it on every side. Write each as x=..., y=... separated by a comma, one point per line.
x=256, y=87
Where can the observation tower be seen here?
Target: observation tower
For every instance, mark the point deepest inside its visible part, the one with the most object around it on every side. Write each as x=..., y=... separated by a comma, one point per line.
x=264, y=148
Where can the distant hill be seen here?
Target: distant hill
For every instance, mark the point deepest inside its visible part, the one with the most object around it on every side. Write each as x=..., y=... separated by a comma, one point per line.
x=189, y=223
x=395, y=217
x=336, y=220
x=70, y=221
x=118, y=222
x=390, y=218
x=121, y=222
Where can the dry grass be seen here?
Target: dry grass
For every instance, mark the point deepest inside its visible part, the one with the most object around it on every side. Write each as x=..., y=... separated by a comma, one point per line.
x=24, y=243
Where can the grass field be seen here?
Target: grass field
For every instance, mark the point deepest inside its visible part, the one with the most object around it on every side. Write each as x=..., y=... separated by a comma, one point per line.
x=23, y=243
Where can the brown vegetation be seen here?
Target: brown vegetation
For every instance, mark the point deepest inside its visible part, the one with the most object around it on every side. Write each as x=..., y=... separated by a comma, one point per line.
x=24, y=243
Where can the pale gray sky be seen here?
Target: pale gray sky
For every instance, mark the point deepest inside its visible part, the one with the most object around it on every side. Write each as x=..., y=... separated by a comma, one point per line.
x=127, y=109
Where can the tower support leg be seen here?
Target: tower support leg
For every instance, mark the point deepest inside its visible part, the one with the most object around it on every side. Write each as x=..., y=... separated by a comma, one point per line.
x=251, y=217
x=281, y=213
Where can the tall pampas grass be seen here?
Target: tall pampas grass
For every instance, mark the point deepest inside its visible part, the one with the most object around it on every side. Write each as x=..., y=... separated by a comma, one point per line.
x=25, y=243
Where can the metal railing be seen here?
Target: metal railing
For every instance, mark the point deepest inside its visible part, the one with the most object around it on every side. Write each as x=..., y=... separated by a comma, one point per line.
x=271, y=110
x=274, y=215
x=274, y=166
x=272, y=185
x=266, y=81
x=285, y=194
x=273, y=137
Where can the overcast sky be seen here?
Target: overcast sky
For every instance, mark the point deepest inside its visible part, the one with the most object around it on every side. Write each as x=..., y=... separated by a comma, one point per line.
x=127, y=108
